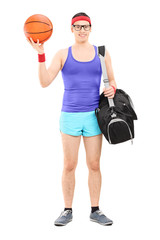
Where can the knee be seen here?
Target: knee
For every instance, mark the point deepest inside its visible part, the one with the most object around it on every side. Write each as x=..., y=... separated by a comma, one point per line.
x=70, y=166
x=94, y=166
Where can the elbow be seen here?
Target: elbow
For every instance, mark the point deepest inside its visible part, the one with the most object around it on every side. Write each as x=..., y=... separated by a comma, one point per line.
x=45, y=82
x=43, y=85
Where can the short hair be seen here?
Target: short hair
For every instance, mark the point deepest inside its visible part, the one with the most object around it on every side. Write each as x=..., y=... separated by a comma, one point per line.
x=80, y=14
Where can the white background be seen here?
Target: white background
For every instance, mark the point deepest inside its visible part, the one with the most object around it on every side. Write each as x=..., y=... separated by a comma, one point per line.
x=31, y=156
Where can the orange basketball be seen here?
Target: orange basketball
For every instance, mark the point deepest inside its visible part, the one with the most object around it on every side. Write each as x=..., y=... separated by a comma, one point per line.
x=39, y=27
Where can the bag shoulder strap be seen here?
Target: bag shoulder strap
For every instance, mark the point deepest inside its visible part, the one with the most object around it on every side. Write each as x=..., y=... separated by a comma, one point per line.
x=101, y=54
x=101, y=50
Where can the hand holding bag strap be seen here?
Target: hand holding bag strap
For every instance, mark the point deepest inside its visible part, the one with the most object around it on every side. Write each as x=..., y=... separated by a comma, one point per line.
x=101, y=54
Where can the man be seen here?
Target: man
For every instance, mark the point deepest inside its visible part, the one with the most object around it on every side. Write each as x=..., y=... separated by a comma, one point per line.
x=81, y=72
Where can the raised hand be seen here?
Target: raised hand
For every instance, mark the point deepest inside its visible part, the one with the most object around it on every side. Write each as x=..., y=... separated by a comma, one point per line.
x=39, y=47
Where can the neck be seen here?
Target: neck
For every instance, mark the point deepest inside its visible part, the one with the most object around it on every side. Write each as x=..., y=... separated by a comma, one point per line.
x=82, y=44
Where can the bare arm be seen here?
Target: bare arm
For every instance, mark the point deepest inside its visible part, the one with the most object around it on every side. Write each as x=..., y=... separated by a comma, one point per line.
x=109, y=92
x=46, y=76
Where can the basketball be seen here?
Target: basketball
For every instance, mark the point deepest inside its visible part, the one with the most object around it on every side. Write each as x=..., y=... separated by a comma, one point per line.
x=39, y=27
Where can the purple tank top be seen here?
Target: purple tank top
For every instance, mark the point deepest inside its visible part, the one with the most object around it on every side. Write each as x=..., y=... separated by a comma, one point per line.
x=81, y=84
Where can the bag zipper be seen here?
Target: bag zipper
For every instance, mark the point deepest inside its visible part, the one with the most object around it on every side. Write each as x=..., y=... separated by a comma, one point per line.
x=117, y=120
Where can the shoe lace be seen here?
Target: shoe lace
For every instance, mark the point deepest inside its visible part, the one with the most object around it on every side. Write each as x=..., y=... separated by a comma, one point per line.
x=100, y=212
x=64, y=213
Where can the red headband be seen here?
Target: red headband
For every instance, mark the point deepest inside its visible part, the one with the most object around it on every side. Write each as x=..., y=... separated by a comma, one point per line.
x=80, y=18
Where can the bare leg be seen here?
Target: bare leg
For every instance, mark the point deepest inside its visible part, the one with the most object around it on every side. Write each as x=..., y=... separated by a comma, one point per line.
x=94, y=183
x=68, y=186
x=70, y=148
x=93, y=152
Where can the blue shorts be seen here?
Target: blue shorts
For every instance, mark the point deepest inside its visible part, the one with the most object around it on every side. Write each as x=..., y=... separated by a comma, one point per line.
x=79, y=123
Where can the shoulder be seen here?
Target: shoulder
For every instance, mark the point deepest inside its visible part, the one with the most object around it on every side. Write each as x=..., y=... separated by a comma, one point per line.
x=62, y=52
x=107, y=56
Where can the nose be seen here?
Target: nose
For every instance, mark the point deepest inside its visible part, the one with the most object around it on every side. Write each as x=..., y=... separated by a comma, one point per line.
x=82, y=30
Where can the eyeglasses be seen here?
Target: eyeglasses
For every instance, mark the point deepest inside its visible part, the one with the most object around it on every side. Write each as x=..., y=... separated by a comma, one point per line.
x=79, y=27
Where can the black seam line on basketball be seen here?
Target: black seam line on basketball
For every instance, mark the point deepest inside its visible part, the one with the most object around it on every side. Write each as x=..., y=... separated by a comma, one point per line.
x=39, y=22
x=45, y=39
x=39, y=32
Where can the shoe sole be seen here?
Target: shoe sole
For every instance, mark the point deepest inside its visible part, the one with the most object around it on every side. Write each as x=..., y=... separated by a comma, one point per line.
x=62, y=224
x=104, y=224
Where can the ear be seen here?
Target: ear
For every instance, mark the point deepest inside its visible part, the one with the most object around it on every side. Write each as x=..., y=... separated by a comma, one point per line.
x=72, y=29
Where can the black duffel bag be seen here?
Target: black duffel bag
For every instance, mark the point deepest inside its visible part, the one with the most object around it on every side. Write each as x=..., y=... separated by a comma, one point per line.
x=115, y=116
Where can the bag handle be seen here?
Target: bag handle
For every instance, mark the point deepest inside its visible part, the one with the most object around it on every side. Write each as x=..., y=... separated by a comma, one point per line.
x=101, y=54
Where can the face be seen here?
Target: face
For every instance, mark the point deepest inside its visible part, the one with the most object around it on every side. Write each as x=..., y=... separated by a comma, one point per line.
x=81, y=35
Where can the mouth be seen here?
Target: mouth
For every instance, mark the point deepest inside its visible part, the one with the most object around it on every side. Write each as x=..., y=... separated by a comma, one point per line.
x=82, y=35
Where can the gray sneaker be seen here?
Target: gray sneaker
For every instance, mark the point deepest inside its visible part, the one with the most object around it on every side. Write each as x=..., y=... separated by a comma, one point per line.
x=99, y=217
x=64, y=218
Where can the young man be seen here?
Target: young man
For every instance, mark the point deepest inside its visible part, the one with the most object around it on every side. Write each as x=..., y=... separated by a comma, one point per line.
x=81, y=72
